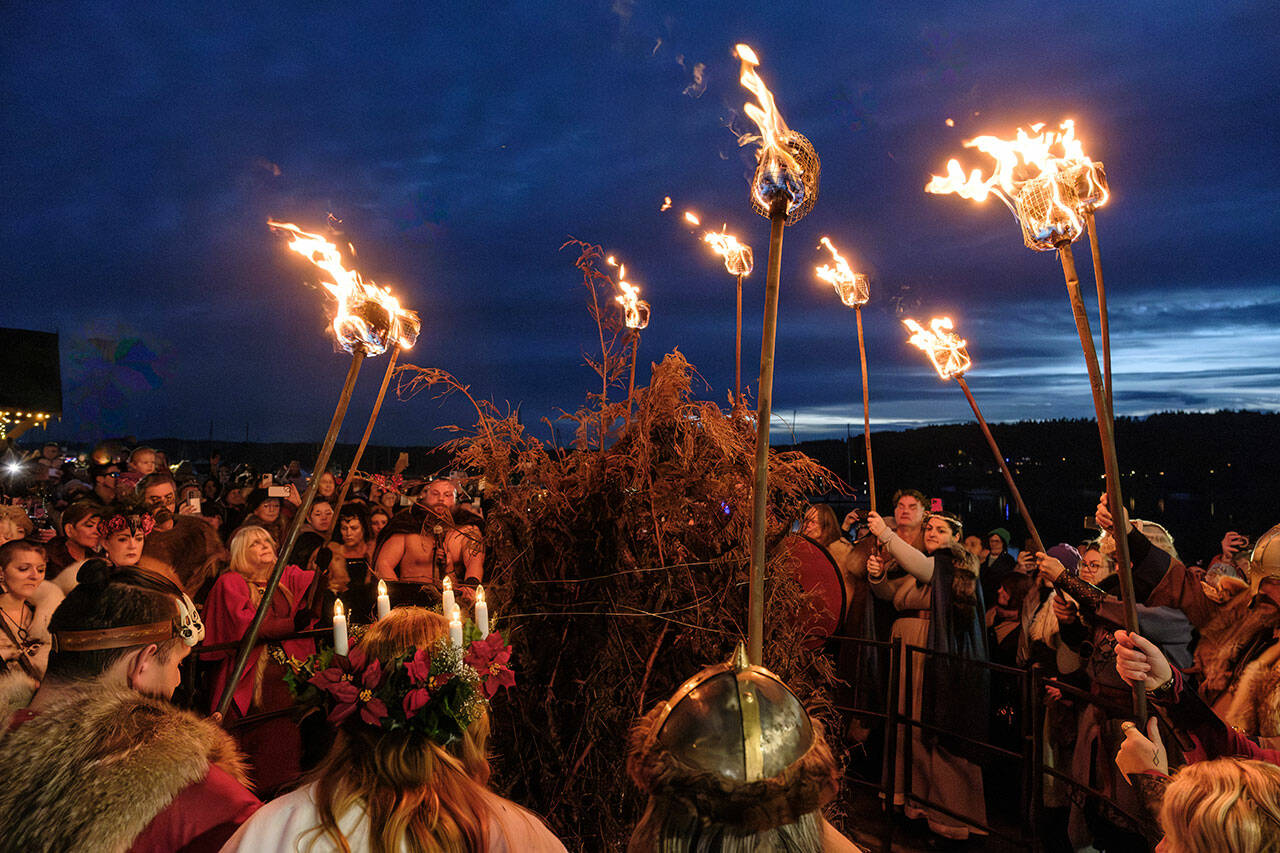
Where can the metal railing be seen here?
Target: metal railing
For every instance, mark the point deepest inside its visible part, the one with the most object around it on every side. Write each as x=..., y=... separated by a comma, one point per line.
x=901, y=715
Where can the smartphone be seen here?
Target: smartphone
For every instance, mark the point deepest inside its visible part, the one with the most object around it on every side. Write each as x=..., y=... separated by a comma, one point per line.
x=266, y=480
x=935, y=505
x=277, y=491
x=193, y=505
x=1090, y=523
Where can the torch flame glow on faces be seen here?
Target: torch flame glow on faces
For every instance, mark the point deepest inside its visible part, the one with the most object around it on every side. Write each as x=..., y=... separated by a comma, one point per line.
x=635, y=310
x=945, y=348
x=1044, y=177
x=368, y=318
x=853, y=288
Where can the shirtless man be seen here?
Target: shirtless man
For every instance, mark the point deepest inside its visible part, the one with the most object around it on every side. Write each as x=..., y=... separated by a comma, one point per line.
x=437, y=548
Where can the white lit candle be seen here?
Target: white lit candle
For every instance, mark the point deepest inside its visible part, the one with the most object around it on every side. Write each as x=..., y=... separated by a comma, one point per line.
x=455, y=630
x=339, y=629
x=449, y=606
x=384, y=600
x=482, y=613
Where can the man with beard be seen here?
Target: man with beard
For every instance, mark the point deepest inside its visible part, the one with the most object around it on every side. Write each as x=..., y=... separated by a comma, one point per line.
x=97, y=758
x=426, y=543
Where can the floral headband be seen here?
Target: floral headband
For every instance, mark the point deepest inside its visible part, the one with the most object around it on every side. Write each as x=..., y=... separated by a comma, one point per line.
x=437, y=691
x=135, y=523
x=394, y=483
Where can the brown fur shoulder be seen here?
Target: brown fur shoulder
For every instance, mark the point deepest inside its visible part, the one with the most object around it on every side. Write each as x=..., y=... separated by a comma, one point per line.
x=100, y=765
x=16, y=690
x=191, y=550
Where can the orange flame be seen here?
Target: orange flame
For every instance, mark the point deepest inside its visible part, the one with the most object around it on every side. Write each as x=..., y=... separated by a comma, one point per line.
x=1044, y=177
x=634, y=309
x=738, y=259
x=692, y=218
x=945, y=348
x=368, y=318
x=853, y=288
x=774, y=132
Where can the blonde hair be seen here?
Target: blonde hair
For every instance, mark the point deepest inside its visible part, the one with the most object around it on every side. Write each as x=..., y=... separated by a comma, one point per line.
x=239, y=547
x=417, y=794
x=17, y=516
x=1224, y=804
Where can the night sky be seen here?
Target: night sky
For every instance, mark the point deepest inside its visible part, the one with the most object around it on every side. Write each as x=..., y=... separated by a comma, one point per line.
x=459, y=145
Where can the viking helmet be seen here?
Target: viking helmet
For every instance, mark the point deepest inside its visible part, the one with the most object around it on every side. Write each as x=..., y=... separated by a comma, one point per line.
x=735, y=744
x=1265, y=562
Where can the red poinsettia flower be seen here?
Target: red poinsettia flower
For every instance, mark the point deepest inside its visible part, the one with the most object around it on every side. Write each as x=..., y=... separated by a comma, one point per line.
x=352, y=682
x=415, y=699
x=489, y=657
x=419, y=666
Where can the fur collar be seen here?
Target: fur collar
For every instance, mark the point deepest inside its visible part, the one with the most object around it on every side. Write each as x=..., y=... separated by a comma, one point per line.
x=1225, y=639
x=93, y=771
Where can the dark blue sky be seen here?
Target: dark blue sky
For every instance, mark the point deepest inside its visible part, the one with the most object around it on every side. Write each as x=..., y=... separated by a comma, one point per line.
x=145, y=146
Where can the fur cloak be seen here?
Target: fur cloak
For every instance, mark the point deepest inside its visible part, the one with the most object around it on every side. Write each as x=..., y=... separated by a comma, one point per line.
x=92, y=772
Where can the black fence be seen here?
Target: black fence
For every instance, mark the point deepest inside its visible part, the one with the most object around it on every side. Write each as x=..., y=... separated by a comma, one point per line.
x=900, y=716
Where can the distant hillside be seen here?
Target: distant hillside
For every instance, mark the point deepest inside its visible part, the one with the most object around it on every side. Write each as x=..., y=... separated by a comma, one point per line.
x=1198, y=474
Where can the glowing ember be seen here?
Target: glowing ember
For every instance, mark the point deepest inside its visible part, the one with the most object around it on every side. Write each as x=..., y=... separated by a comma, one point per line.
x=1043, y=177
x=786, y=162
x=666, y=203
x=635, y=310
x=853, y=288
x=692, y=218
x=945, y=348
x=369, y=318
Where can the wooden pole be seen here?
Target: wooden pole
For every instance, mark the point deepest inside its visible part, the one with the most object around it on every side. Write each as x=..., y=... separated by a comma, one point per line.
x=251, y=635
x=764, y=411
x=1106, y=432
x=1004, y=467
x=631, y=384
x=364, y=441
x=737, y=351
x=1104, y=327
x=866, y=414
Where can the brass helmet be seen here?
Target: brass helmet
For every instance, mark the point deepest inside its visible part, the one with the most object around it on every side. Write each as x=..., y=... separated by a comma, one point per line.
x=1265, y=561
x=735, y=744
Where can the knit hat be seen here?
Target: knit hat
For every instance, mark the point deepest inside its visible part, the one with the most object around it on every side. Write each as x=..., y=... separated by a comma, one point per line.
x=1066, y=555
x=1002, y=533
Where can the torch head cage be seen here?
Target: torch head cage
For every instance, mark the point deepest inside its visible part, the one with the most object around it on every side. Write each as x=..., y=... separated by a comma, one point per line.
x=856, y=292
x=637, y=316
x=1047, y=208
x=774, y=178
x=1091, y=185
x=740, y=261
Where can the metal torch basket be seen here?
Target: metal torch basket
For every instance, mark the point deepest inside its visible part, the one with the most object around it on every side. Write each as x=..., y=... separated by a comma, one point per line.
x=855, y=292
x=1048, y=211
x=803, y=152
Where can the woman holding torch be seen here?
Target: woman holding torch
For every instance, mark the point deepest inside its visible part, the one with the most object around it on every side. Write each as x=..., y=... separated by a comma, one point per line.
x=940, y=607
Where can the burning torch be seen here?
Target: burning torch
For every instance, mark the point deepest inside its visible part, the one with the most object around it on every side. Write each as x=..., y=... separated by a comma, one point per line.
x=368, y=320
x=946, y=350
x=738, y=261
x=1052, y=189
x=635, y=316
x=783, y=189
x=854, y=290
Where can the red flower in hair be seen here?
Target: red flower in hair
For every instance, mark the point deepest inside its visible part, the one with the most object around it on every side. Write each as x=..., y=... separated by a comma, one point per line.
x=489, y=657
x=352, y=683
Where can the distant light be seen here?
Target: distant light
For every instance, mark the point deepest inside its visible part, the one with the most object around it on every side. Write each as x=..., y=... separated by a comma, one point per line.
x=14, y=467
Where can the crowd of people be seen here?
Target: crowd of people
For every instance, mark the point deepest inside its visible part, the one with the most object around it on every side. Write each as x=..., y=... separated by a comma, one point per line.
x=970, y=612
x=125, y=579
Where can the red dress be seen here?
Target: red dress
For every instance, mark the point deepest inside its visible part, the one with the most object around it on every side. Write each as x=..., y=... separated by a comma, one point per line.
x=274, y=747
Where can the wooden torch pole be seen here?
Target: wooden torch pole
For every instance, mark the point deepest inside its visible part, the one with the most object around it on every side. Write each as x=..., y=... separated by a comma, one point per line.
x=1106, y=432
x=322, y=461
x=364, y=441
x=737, y=351
x=764, y=411
x=1004, y=467
x=866, y=414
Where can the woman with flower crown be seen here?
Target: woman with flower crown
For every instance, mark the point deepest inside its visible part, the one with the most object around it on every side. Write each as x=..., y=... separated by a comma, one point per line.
x=408, y=771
